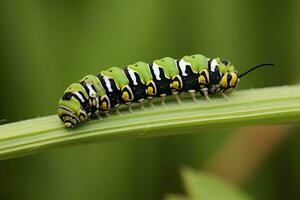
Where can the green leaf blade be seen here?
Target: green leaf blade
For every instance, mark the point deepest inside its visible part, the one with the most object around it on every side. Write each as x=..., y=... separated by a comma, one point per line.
x=204, y=186
x=275, y=105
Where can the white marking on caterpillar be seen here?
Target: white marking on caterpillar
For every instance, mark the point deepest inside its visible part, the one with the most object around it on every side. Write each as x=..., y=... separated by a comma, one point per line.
x=130, y=90
x=156, y=71
x=182, y=66
x=79, y=96
x=213, y=65
x=92, y=92
x=107, y=83
x=132, y=76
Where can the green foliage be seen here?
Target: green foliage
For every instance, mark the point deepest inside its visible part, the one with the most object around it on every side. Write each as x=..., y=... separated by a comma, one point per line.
x=205, y=186
x=175, y=197
x=248, y=107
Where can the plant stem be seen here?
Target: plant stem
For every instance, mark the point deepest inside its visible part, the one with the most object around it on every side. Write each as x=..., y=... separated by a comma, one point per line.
x=276, y=105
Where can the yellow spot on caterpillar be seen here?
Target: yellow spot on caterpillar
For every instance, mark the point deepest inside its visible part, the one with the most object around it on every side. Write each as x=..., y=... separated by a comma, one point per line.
x=94, y=102
x=233, y=80
x=150, y=90
x=82, y=118
x=175, y=85
x=202, y=79
x=104, y=105
x=125, y=96
x=223, y=81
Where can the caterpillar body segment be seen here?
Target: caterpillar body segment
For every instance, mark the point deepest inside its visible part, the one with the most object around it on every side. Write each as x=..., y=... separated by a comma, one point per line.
x=74, y=106
x=112, y=98
x=94, y=95
x=94, y=88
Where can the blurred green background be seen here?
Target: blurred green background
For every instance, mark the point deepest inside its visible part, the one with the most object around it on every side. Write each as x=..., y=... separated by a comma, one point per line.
x=46, y=45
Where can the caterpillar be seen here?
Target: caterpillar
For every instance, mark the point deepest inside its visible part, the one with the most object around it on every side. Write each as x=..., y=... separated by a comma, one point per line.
x=94, y=95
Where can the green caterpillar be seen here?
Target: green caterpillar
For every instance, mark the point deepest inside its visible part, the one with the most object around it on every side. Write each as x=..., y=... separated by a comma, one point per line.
x=93, y=95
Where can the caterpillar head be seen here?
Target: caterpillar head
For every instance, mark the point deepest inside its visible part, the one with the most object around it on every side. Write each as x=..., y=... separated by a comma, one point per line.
x=230, y=77
x=229, y=82
x=221, y=76
x=73, y=106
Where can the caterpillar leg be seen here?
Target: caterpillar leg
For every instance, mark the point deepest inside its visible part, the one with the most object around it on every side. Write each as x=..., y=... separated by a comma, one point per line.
x=151, y=103
x=130, y=108
x=162, y=100
x=193, y=95
x=106, y=113
x=96, y=115
x=177, y=98
x=208, y=99
x=99, y=117
x=142, y=105
x=225, y=96
x=205, y=94
x=118, y=111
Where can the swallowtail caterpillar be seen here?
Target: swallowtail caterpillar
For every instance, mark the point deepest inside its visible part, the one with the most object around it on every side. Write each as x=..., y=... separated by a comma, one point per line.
x=98, y=94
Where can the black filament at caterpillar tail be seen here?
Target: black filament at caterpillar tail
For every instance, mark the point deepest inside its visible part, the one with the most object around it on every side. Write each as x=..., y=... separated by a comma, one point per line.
x=137, y=82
